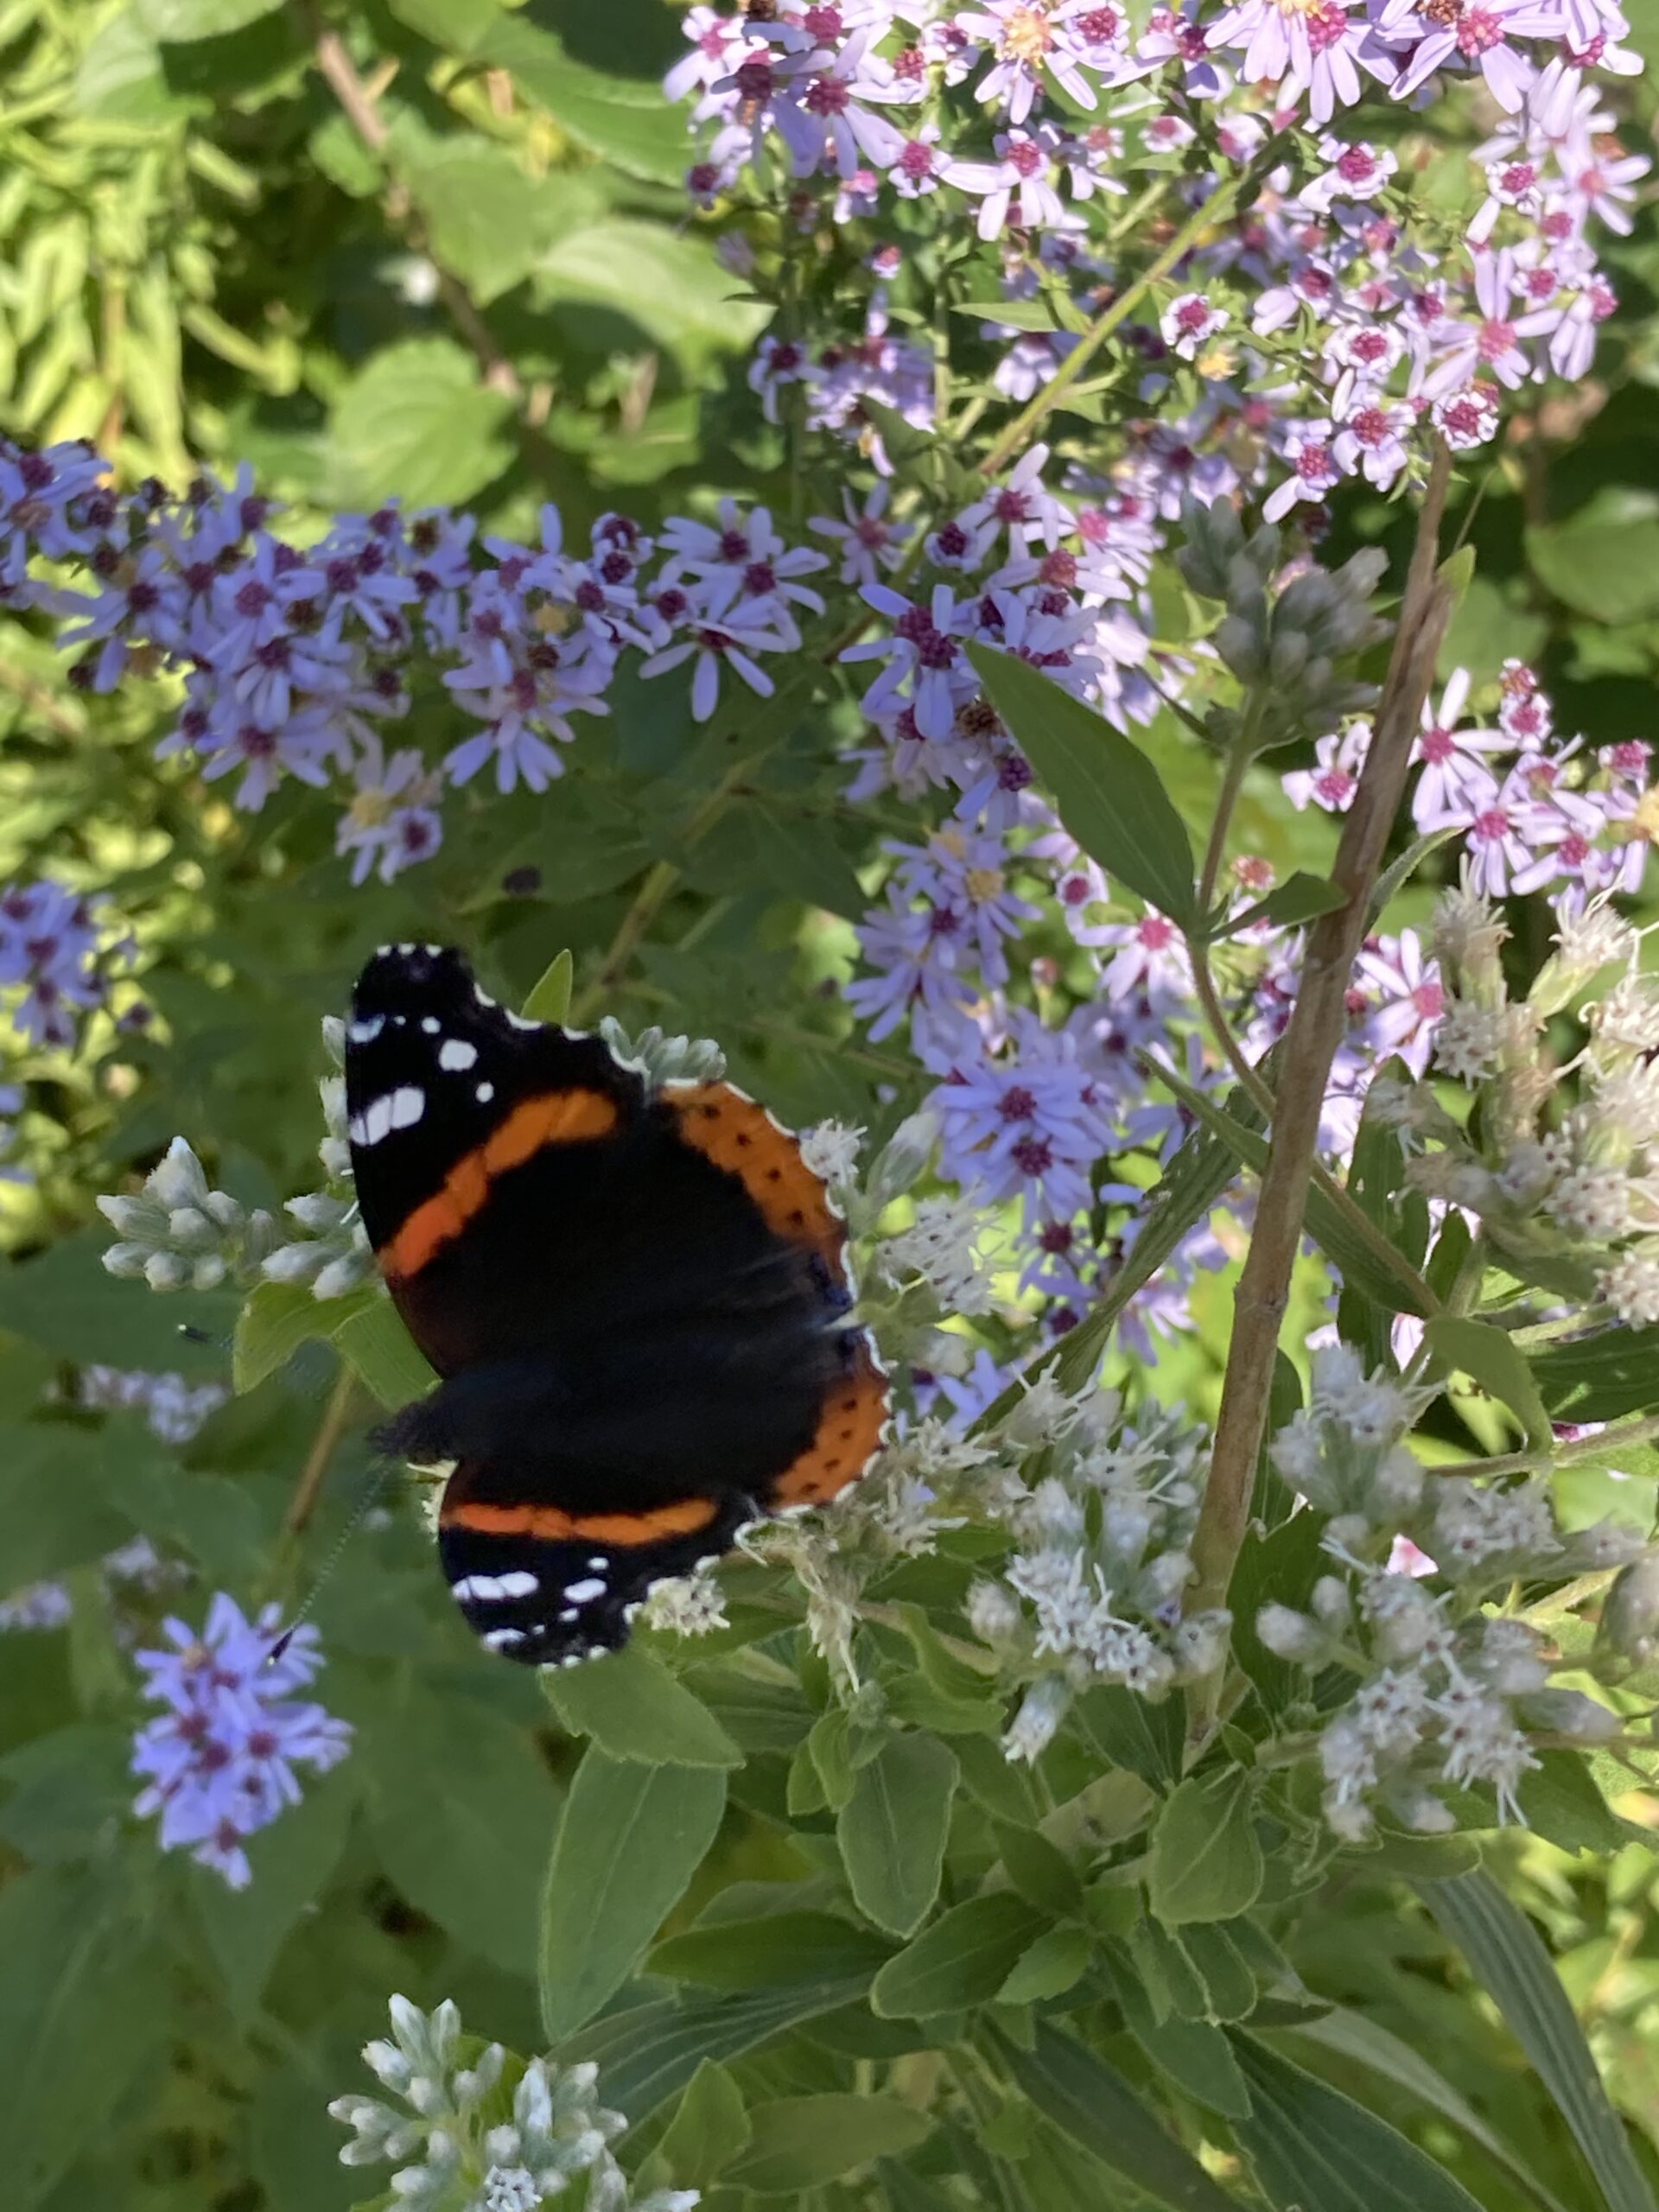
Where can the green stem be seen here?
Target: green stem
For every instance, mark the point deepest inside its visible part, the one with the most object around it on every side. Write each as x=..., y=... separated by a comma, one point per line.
x=1216, y=209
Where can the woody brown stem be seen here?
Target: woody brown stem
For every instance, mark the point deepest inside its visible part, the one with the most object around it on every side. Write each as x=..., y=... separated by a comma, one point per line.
x=1318, y=1022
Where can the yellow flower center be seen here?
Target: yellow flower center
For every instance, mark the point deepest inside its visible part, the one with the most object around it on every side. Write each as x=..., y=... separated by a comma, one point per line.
x=984, y=883
x=370, y=809
x=950, y=840
x=1027, y=36
x=1646, y=817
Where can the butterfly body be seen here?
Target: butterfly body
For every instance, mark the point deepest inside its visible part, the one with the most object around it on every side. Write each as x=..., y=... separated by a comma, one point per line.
x=634, y=1299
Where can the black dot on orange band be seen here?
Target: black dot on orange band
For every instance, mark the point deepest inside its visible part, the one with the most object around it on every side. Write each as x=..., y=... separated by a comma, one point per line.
x=774, y=1174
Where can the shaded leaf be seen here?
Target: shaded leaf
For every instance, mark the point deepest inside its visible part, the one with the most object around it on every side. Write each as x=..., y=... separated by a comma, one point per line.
x=1496, y=1362
x=772, y=1952
x=962, y=1959
x=892, y=1830
x=710, y=2127
x=634, y=1708
x=630, y=1839
x=1206, y=1862
x=798, y=2143
x=1309, y=2145
x=1509, y=1961
x=1108, y=792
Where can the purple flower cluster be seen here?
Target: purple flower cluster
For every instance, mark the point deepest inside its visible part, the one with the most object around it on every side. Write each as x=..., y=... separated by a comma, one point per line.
x=1322, y=341
x=296, y=663
x=50, y=946
x=221, y=1762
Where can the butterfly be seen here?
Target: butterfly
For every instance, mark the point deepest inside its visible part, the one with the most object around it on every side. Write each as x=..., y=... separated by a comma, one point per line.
x=635, y=1296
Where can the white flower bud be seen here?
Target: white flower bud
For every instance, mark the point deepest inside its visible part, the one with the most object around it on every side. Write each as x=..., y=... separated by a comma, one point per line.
x=188, y=1228
x=1332, y=1604
x=1569, y=1713
x=166, y=1271
x=992, y=1613
x=179, y=1181
x=130, y=1217
x=1290, y=1635
x=127, y=1260
x=338, y=1277
x=1397, y=1486
x=1041, y=1711
x=292, y=1262
x=208, y=1271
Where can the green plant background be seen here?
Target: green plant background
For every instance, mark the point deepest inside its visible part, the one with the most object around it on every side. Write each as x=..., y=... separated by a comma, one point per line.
x=201, y=263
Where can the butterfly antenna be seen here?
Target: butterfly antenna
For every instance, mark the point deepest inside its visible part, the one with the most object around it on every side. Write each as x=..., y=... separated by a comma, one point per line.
x=361, y=1512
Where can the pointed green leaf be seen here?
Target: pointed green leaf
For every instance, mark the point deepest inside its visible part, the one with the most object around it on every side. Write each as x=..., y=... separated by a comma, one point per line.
x=1206, y=1862
x=550, y=1000
x=1092, y=2103
x=634, y=1708
x=1495, y=1360
x=1107, y=790
x=1194, y=2054
x=708, y=2130
x=277, y=1319
x=1300, y=898
x=800, y=2143
x=630, y=1839
x=1366, y=2042
x=1055, y=1963
x=892, y=1830
x=1311, y=2146
x=772, y=1952
x=1040, y=1872
x=380, y=1352
x=1509, y=1960
x=962, y=1959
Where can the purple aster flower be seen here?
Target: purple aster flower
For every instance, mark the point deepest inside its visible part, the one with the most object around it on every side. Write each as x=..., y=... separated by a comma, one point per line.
x=1473, y=34
x=221, y=1763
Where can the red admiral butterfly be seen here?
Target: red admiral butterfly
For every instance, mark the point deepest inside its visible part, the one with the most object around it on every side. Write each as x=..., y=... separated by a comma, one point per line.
x=634, y=1298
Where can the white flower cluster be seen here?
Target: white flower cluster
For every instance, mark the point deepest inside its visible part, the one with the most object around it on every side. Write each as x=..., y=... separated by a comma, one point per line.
x=1094, y=1591
x=173, y=1408
x=135, y=1568
x=1449, y=1692
x=1578, y=1182
x=180, y=1234
x=493, y=2135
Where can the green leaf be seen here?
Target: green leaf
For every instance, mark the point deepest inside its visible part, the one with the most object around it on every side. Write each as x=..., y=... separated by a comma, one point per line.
x=1356, y=2036
x=1361, y=1269
x=1602, y=562
x=1194, y=2054
x=1039, y=1870
x=1300, y=898
x=892, y=1830
x=630, y=1840
x=381, y=1353
x=623, y=119
x=416, y=422
x=1108, y=792
x=277, y=1319
x=1559, y=1800
x=1092, y=2103
x=1311, y=2146
x=1508, y=1960
x=85, y=2017
x=66, y=1301
x=1598, y=1376
x=708, y=2130
x=1229, y=1992
x=1055, y=1963
x=803, y=860
x=469, y=1858
x=1128, y=1730
x=634, y=1708
x=800, y=2142
x=56, y=1509
x=180, y=21
x=774, y=1951
x=486, y=219
x=550, y=1000
x=962, y=1959
x=1497, y=1362
x=647, y=2052
x=292, y=1860
x=671, y=285
x=1206, y=1862
x=457, y=26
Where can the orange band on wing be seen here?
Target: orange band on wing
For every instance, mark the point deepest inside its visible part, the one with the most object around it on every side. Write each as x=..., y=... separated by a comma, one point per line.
x=551, y=1118
x=683, y=1518
x=849, y=1437
x=743, y=1138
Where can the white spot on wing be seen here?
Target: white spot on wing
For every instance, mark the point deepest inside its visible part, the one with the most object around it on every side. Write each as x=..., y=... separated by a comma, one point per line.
x=365, y=1032
x=503, y=1639
x=598, y=1564
x=518, y=1022
x=430, y=1023
x=407, y=1106
x=484, y=1092
x=582, y=1594
x=455, y=1055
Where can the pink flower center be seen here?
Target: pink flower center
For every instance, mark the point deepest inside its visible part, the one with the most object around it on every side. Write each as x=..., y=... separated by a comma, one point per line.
x=1358, y=165
x=1436, y=746
x=1190, y=316
x=1496, y=338
x=1429, y=999
x=1370, y=426
x=1154, y=932
x=1314, y=462
x=915, y=161
x=1025, y=157
x=827, y=96
x=1492, y=825
x=1478, y=31
x=1033, y=1156
x=1018, y=1105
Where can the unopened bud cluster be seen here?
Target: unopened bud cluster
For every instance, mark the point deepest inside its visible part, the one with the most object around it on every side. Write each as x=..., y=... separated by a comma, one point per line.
x=1449, y=1693
x=478, y=2130
x=1560, y=1162
x=1286, y=640
x=180, y=1234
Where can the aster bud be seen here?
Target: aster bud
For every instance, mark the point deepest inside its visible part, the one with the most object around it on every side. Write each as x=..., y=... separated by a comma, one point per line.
x=902, y=1160
x=1628, y=1637
x=992, y=1613
x=1292, y=1635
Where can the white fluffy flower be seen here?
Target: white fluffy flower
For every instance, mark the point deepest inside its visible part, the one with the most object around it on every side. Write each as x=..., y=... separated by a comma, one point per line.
x=942, y=1245
x=831, y=1150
